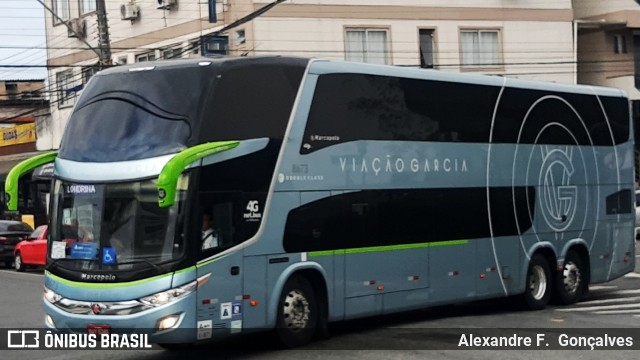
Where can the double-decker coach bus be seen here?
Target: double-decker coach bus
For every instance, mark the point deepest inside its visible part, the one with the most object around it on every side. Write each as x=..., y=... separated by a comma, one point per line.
x=335, y=191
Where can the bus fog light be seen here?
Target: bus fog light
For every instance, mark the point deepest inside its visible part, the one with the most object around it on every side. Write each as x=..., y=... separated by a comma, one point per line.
x=168, y=322
x=49, y=321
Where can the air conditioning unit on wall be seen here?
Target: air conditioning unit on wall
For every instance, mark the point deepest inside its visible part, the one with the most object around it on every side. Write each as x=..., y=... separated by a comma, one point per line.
x=167, y=4
x=129, y=11
x=77, y=28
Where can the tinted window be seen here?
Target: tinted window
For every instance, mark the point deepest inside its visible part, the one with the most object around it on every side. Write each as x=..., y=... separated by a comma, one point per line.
x=394, y=217
x=125, y=115
x=619, y=203
x=530, y=116
x=134, y=115
x=349, y=107
x=252, y=99
x=233, y=193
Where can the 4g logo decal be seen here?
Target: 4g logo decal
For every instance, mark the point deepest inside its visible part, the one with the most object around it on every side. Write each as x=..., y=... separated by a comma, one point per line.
x=253, y=212
x=252, y=206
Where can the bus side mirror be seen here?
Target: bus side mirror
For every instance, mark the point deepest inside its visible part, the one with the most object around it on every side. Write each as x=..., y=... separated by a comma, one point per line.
x=168, y=178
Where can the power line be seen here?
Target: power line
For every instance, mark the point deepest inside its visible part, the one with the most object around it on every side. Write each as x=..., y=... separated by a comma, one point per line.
x=197, y=43
x=66, y=23
x=78, y=76
x=502, y=63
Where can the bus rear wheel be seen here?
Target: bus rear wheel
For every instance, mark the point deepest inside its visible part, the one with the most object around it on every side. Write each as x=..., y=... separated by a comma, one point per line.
x=297, y=312
x=538, y=287
x=571, y=282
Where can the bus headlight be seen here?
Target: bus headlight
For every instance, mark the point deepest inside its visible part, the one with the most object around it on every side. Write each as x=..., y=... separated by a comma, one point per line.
x=51, y=296
x=167, y=296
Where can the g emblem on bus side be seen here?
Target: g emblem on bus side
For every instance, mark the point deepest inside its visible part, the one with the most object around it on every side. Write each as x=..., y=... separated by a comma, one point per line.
x=559, y=197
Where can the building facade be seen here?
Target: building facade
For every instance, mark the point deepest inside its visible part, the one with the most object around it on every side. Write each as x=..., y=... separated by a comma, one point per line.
x=22, y=104
x=531, y=39
x=607, y=33
x=609, y=49
x=23, y=111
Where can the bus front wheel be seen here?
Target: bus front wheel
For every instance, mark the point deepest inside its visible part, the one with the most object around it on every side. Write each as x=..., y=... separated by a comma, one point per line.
x=571, y=282
x=297, y=312
x=538, y=287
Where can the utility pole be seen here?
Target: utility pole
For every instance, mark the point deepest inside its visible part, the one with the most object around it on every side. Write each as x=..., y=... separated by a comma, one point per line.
x=103, y=34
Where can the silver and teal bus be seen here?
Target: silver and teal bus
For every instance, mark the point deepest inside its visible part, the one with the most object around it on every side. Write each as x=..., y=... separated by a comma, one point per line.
x=335, y=191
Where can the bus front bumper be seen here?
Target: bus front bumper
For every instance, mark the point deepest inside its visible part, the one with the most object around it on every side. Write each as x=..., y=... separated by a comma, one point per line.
x=170, y=323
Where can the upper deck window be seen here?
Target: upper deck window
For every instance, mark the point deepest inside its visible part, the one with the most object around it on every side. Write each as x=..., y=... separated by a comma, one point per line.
x=168, y=106
x=134, y=115
x=353, y=107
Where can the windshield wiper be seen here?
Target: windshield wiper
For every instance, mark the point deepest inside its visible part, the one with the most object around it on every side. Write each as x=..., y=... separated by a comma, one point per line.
x=55, y=261
x=140, y=261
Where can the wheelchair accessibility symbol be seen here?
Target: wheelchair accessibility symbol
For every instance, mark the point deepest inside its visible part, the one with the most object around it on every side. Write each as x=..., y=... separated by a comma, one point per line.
x=108, y=256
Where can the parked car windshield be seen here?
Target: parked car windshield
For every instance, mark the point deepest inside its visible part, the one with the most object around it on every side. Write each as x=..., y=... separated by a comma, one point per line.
x=38, y=232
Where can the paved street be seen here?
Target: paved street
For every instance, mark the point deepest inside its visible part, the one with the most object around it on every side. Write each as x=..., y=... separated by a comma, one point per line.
x=611, y=305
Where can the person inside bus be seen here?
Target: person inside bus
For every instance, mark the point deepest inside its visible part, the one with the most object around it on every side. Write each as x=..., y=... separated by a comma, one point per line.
x=209, y=235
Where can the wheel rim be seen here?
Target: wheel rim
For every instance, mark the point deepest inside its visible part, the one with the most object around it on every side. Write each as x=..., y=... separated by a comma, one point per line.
x=18, y=262
x=537, y=282
x=296, y=311
x=571, y=277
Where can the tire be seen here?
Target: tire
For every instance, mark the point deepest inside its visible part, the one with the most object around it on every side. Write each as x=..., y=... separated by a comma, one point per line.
x=6, y=264
x=297, y=313
x=571, y=282
x=18, y=264
x=538, y=283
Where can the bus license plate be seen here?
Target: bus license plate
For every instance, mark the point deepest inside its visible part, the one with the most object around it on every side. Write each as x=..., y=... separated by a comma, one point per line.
x=98, y=329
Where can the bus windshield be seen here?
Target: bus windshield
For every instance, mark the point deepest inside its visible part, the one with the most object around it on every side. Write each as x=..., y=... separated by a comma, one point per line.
x=115, y=226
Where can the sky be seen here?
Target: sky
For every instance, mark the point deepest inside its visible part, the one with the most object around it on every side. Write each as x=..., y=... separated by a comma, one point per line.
x=22, y=40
